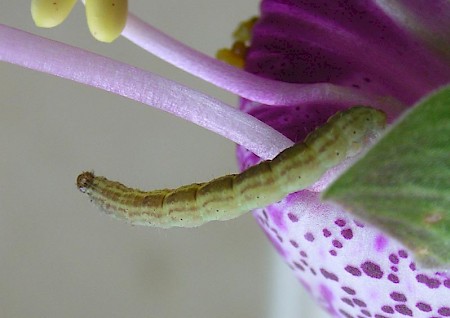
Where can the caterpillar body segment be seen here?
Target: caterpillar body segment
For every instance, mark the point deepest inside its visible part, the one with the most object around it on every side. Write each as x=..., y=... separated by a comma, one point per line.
x=230, y=196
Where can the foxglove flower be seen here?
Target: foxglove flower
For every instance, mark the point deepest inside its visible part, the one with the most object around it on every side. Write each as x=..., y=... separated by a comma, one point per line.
x=390, y=48
x=307, y=60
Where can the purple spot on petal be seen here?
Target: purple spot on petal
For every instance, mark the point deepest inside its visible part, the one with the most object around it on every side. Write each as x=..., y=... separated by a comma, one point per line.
x=366, y=313
x=300, y=267
x=402, y=254
x=337, y=244
x=309, y=237
x=380, y=243
x=394, y=268
x=430, y=282
x=265, y=214
x=393, y=278
x=329, y=275
x=387, y=309
x=412, y=266
x=404, y=310
x=447, y=283
x=348, y=301
x=303, y=253
x=359, y=302
x=340, y=222
x=333, y=252
x=346, y=314
x=292, y=217
x=313, y=271
x=358, y=223
x=372, y=270
x=398, y=297
x=293, y=243
x=274, y=230
x=275, y=243
x=353, y=270
x=277, y=216
x=393, y=258
x=326, y=233
x=349, y=290
x=261, y=220
x=380, y=316
x=347, y=234
x=424, y=307
x=444, y=311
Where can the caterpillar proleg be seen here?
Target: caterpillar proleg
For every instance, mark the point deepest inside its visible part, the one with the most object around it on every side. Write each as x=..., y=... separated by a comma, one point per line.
x=230, y=196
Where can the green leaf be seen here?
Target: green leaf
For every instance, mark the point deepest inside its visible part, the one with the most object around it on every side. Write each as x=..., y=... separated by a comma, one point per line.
x=402, y=184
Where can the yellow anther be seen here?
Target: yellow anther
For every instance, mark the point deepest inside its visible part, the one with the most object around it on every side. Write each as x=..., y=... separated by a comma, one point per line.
x=242, y=37
x=106, y=18
x=243, y=32
x=230, y=57
x=239, y=49
x=50, y=13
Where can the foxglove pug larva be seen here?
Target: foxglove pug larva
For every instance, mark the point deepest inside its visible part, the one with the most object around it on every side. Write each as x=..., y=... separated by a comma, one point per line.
x=230, y=196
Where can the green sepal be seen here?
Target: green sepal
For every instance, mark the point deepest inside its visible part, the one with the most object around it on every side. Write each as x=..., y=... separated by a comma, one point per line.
x=402, y=184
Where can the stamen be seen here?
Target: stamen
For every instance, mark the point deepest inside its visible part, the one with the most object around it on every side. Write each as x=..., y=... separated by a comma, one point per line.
x=245, y=84
x=106, y=19
x=242, y=37
x=243, y=32
x=37, y=53
x=234, y=56
x=50, y=13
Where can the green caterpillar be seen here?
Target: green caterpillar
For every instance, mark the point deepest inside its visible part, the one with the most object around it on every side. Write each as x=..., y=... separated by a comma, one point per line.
x=230, y=196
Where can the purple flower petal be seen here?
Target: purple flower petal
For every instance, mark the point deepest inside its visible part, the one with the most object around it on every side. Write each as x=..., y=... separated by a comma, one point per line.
x=350, y=43
x=351, y=268
x=356, y=270
x=428, y=21
x=323, y=56
x=246, y=84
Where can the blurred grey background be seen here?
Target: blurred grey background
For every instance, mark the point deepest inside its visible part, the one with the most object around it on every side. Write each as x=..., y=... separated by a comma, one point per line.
x=59, y=256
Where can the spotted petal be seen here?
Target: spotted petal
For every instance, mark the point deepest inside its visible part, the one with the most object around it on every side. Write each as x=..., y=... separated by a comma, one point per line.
x=352, y=268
